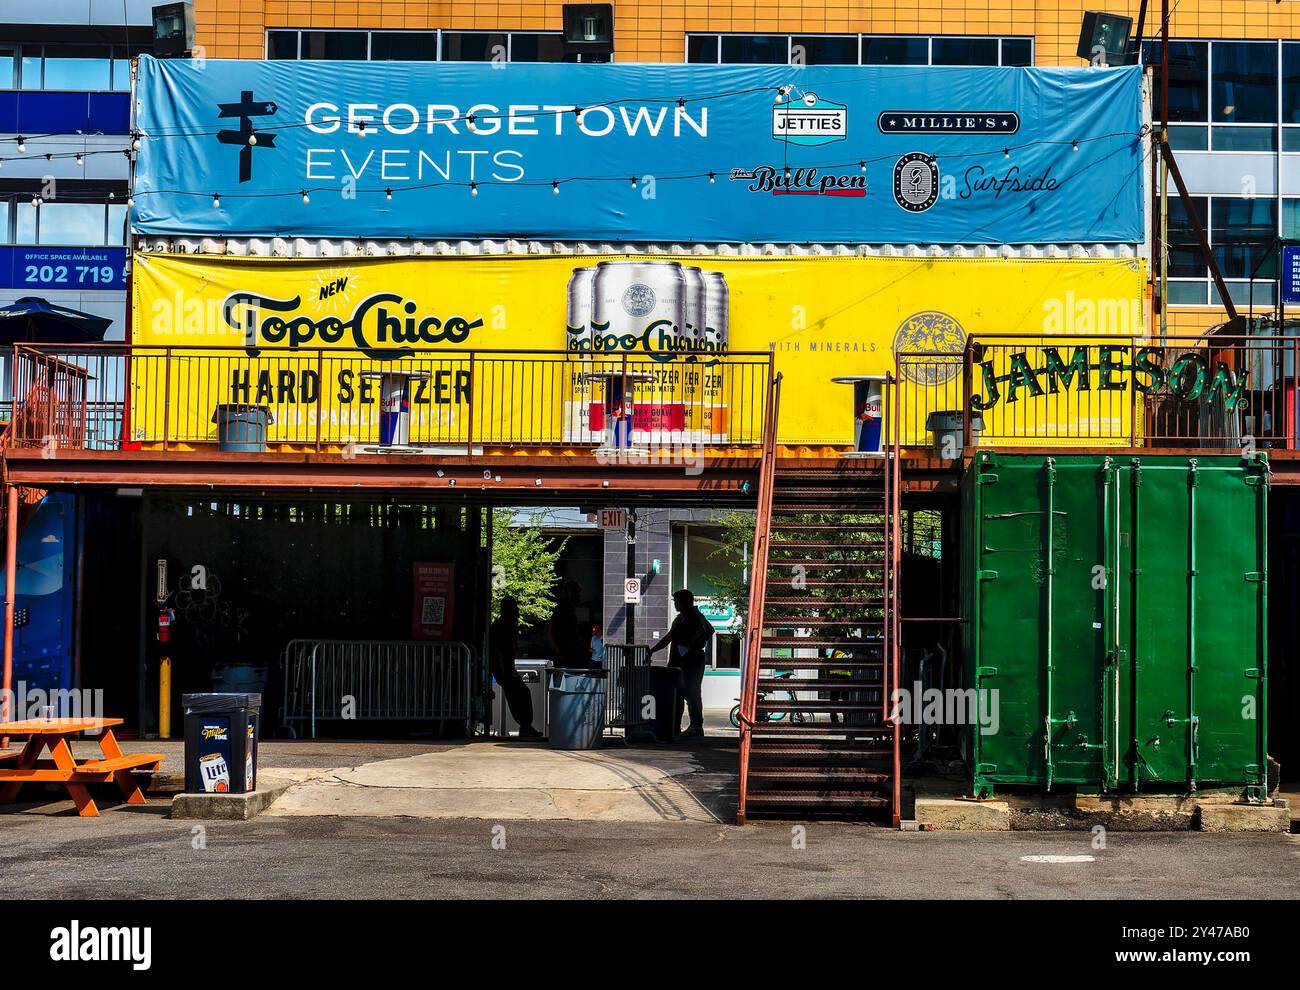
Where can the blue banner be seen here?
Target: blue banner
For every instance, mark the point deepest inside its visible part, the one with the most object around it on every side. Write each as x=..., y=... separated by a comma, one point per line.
x=62, y=268
x=883, y=154
x=1291, y=273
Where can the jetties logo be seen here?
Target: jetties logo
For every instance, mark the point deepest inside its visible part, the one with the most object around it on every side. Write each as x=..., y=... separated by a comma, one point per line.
x=809, y=121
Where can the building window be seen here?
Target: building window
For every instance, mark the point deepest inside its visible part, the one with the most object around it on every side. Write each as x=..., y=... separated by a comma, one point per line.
x=1244, y=82
x=964, y=51
x=1189, y=79
x=808, y=49
x=89, y=68
x=865, y=49
x=750, y=49
x=1242, y=235
x=895, y=51
x=67, y=224
x=417, y=46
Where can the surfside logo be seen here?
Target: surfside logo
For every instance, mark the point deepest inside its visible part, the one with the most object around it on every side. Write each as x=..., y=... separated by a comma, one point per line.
x=948, y=122
x=384, y=325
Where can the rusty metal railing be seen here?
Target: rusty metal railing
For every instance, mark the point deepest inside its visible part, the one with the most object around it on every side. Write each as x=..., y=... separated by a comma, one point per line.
x=110, y=396
x=1106, y=390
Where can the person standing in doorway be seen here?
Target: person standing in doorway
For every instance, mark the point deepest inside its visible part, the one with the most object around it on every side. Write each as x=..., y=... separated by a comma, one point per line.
x=569, y=648
x=687, y=639
x=503, y=645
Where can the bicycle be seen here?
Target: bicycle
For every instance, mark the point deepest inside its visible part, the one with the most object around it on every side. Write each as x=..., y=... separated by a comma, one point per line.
x=771, y=716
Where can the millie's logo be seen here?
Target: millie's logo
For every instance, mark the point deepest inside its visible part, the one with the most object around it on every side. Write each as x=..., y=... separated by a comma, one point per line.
x=810, y=121
x=246, y=109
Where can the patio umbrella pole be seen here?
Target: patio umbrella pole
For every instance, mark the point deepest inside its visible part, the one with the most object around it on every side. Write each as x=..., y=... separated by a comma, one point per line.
x=11, y=577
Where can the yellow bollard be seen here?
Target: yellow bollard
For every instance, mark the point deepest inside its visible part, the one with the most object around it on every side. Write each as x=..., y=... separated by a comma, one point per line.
x=165, y=698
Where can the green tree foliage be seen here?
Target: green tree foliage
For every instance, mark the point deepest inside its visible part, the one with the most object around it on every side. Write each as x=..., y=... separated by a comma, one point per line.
x=523, y=566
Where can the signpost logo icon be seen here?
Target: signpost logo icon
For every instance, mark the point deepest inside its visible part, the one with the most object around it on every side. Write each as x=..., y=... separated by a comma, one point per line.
x=246, y=109
x=916, y=182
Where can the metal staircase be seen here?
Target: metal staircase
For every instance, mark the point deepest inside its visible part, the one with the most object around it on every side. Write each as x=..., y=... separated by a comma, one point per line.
x=816, y=736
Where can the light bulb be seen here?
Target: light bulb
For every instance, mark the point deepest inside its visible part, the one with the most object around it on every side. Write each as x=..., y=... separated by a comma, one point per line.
x=711, y=178
x=81, y=162
x=634, y=182
x=216, y=201
x=22, y=144
x=252, y=139
x=388, y=194
x=135, y=145
x=473, y=188
x=305, y=198
x=555, y=189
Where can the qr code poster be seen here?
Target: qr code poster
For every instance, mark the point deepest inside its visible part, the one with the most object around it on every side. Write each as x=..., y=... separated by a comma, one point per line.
x=432, y=611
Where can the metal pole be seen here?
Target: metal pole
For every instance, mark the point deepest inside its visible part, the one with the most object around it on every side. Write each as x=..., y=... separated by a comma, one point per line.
x=629, y=626
x=11, y=577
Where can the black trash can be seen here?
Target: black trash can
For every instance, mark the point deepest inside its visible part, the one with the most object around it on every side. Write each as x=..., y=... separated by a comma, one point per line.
x=221, y=742
x=665, y=686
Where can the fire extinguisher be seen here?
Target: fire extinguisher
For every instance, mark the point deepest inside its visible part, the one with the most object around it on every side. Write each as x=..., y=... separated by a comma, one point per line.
x=165, y=618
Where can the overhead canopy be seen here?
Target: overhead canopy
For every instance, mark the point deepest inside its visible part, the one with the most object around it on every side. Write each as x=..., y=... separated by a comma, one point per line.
x=34, y=320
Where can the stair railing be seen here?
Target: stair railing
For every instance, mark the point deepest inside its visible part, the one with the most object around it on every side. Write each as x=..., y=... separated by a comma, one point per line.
x=757, y=587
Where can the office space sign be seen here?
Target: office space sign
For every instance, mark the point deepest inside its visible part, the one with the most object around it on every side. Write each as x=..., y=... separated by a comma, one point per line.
x=871, y=154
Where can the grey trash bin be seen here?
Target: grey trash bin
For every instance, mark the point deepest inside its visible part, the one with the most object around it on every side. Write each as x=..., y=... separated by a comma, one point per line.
x=577, y=702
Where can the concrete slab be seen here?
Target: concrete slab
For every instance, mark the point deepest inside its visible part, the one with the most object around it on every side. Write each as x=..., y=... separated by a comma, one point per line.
x=239, y=807
x=1244, y=818
x=934, y=814
x=495, y=780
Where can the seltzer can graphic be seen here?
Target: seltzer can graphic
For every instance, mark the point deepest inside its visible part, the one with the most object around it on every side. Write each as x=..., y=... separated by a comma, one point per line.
x=717, y=319
x=638, y=308
x=214, y=773
x=577, y=338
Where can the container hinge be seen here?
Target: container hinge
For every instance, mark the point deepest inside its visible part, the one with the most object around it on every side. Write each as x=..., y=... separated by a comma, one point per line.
x=985, y=768
x=985, y=672
x=1256, y=673
x=1255, y=577
x=1254, y=480
x=986, y=575
x=988, y=479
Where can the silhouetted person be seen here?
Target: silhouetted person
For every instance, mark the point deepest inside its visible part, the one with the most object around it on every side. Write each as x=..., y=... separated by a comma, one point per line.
x=687, y=638
x=569, y=647
x=503, y=645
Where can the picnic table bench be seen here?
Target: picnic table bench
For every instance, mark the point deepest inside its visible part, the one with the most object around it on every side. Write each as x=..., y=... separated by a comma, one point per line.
x=27, y=766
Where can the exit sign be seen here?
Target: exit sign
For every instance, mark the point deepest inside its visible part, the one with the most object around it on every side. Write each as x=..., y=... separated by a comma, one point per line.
x=613, y=518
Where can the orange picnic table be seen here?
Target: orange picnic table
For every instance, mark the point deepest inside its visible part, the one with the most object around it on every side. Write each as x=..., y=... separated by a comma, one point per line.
x=27, y=767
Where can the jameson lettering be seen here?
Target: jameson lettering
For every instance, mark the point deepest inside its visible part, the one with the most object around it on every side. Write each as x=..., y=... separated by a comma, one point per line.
x=1187, y=377
x=373, y=327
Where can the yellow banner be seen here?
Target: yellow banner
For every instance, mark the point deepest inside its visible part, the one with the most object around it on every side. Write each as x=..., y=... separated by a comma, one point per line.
x=326, y=346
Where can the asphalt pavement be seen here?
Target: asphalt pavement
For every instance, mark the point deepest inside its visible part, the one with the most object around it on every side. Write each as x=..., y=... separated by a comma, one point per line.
x=140, y=853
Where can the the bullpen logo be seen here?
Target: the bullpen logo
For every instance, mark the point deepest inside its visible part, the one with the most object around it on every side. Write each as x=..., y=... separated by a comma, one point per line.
x=916, y=182
x=809, y=121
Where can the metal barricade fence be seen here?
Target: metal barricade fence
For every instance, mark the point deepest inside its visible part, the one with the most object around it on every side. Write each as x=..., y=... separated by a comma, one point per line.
x=628, y=684
x=372, y=680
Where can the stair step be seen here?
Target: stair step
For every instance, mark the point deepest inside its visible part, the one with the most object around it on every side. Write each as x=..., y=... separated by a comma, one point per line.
x=820, y=562
x=828, y=527
x=836, y=707
x=814, y=684
x=804, y=622
x=828, y=750
x=816, y=775
x=843, y=546
x=816, y=642
x=802, y=799
x=783, y=728
x=798, y=663
x=803, y=601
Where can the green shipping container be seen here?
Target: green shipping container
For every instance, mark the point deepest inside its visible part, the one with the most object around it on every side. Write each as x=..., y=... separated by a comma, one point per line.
x=1117, y=606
